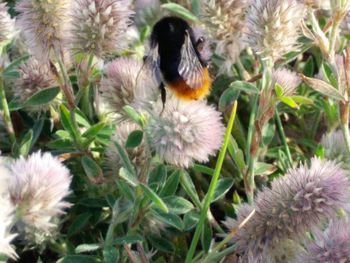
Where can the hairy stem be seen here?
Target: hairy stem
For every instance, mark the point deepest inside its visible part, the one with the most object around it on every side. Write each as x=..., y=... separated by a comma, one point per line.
x=6, y=114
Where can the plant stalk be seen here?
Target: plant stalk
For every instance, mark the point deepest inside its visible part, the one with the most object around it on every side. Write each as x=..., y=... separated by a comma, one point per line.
x=6, y=114
x=213, y=183
x=283, y=138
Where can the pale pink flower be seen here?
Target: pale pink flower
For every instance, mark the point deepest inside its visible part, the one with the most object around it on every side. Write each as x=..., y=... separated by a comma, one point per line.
x=7, y=24
x=330, y=246
x=127, y=82
x=37, y=188
x=185, y=132
x=44, y=25
x=273, y=27
x=297, y=202
x=34, y=76
x=99, y=26
x=6, y=223
x=288, y=80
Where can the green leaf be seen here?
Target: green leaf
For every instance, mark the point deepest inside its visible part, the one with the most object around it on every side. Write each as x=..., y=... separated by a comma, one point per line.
x=309, y=68
x=134, y=139
x=128, y=177
x=171, y=184
x=261, y=168
x=67, y=122
x=236, y=154
x=162, y=244
x=131, y=239
x=78, y=224
x=169, y=219
x=11, y=75
x=94, y=130
x=16, y=63
x=206, y=237
x=203, y=169
x=125, y=158
x=37, y=128
x=134, y=115
x=228, y=97
x=178, y=205
x=180, y=11
x=43, y=96
x=83, y=248
x=320, y=151
x=302, y=100
x=190, y=220
x=79, y=259
x=154, y=197
x=245, y=87
x=222, y=188
x=278, y=90
x=26, y=143
x=158, y=176
x=125, y=190
x=290, y=102
x=188, y=186
x=91, y=168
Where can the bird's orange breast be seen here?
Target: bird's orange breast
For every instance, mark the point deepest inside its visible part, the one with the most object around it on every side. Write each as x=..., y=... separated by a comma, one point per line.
x=183, y=91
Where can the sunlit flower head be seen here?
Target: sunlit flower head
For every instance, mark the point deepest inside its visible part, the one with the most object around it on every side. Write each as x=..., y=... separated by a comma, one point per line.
x=225, y=22
x=272, y=27
x=7, y=24
x=330, y=246
x=99, y=26
x=317, y=4
x=287, y=79
x=335, y=149
x=44, y=25
x=37, y=188
x=34, y=76
x=127, y=82
x=297, y=202
x=6, y=223
x=137, y=155
x=5, y=176
x=186, y=131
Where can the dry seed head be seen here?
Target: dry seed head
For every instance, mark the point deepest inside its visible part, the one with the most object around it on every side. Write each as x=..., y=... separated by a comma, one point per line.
x=272, y=27
x=44, y=24
x=225, y=22
x=99, y=26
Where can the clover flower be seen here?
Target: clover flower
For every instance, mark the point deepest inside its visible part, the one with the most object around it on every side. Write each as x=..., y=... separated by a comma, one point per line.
x=137, y=155
x=335, y=149
x=225, y=22
x=127, y=82
x=297, y=202
x=287, y=79
x=6, y=223
x=44, y=25
x=37, y=188
x=34, y=76
x=99, y=26
x=7, y=24
x=330, y=246
x=272, y=27
x=186, y=131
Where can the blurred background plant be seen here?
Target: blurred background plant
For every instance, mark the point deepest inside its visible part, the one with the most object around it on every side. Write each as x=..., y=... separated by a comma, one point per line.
x=90, y=171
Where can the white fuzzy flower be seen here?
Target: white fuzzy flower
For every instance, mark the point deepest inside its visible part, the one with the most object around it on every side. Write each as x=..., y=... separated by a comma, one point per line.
x=7, y=24
x=4, y=176
x=187, y=131
x=287, y=79
x=37, y=188
x=6, y=222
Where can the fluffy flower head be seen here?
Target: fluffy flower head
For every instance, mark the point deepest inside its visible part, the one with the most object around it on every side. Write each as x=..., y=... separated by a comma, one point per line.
x=225, y=21
x=296, y=202
x=35, y=76
x=99, y=25
x=186, y=131
x=330, y=246
x=37, y=188
x=287, y=79
x=7, y=24
x=124, y=83
x=272, y=27
x=6, y=222
x=44, y=25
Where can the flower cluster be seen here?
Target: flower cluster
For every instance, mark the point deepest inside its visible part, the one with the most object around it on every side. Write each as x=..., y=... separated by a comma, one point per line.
x=7, y=24
x=297, y=202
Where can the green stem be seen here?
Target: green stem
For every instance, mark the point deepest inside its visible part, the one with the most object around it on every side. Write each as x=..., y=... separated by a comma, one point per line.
x=251, y=126
x=344, y=120
x=283, y=138
x=6, y=114
x=86, y=103
x=213, y=183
